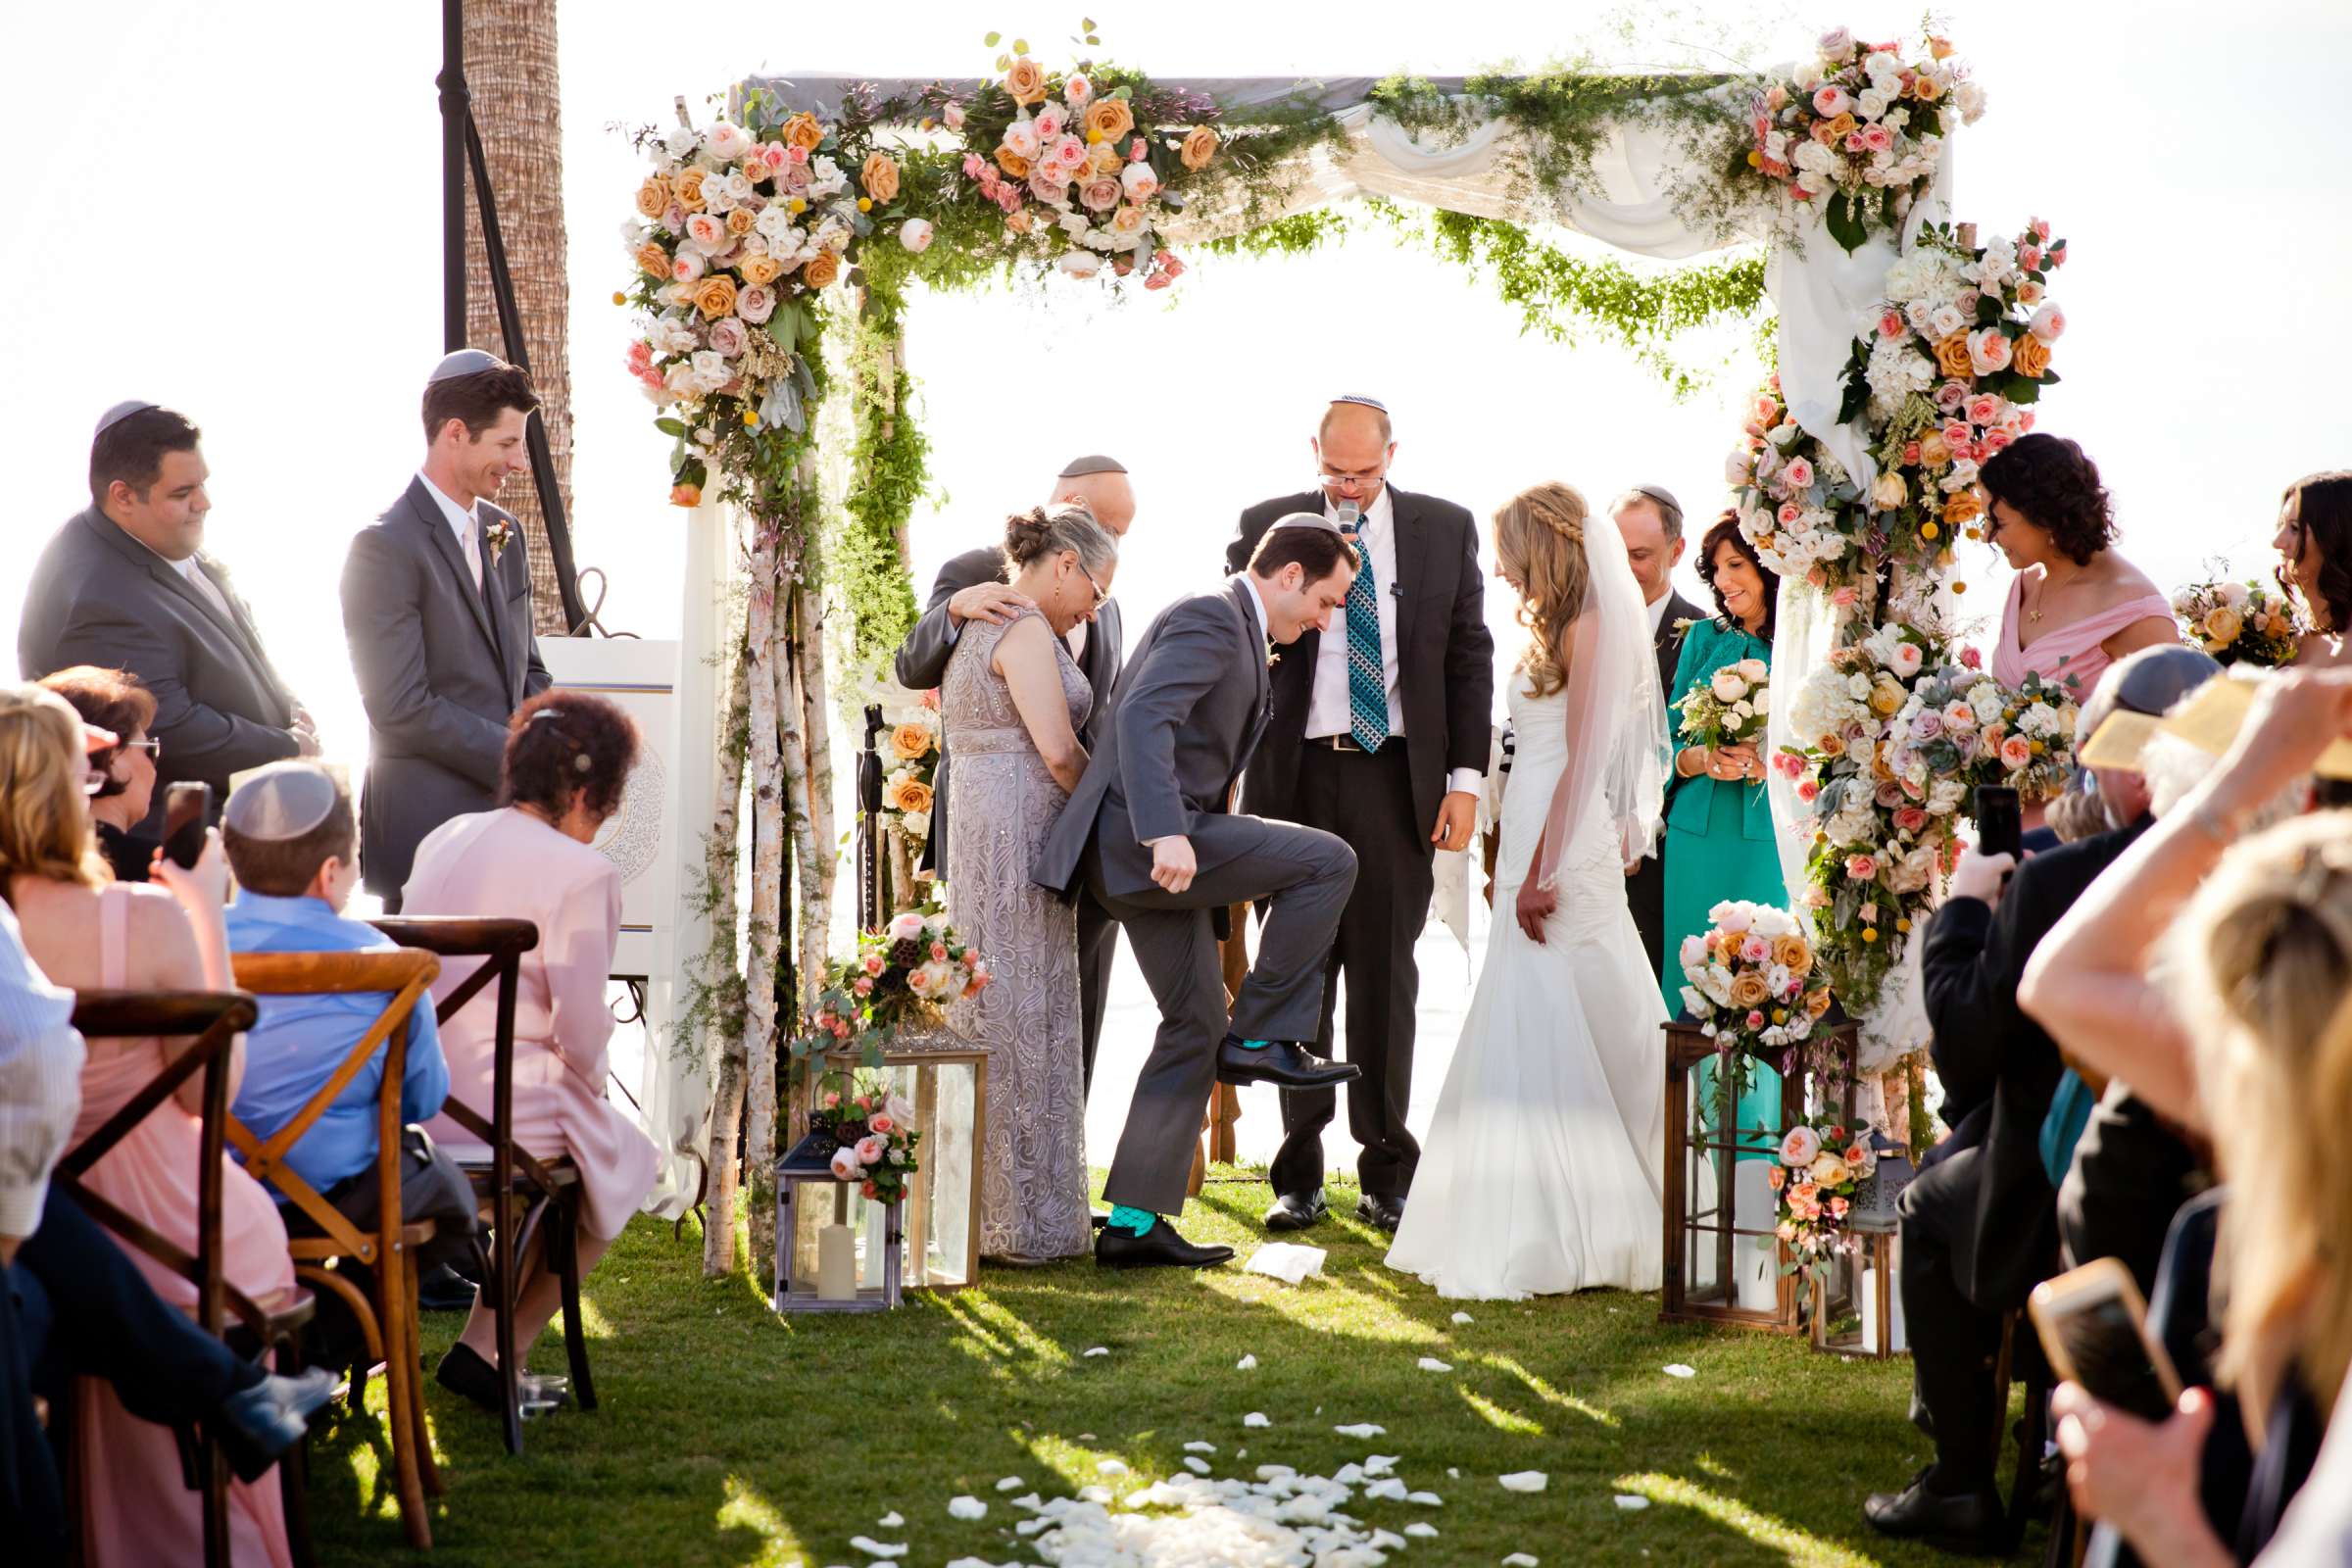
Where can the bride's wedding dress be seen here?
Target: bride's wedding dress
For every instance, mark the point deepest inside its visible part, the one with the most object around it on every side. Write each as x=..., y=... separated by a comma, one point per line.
x=1542, y=1165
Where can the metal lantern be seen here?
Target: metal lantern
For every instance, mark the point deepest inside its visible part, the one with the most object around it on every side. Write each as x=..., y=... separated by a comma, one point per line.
x=944, y=1077
x=823, y=1226
x=1724, y=1263
x=1875, y=1200
x=1872, y=1292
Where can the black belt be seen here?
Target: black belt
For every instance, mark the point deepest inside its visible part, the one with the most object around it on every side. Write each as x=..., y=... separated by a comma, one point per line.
x=1347, y=743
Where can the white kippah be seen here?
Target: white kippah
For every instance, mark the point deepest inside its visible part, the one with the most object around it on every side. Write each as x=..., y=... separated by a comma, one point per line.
x=1361, y=400
x=1308, y=519
x=120, y=412
x=280, y=801
x=464, y=361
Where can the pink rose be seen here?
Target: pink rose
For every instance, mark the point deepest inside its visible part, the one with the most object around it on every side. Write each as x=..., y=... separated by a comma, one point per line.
x=1049, y=121
x=1959, y=716
x=1048, y=181
x=1755, y=950
x=2042, y=230
x=881, y=1122
x=1831, y=101
x=1985, y=409
x=1789, y=514
x=1868, y=911
x=1877, y=138
x=1845, y=598
x=1066, y=152
x=872, y=1150
x=1994, y=440
x=2049, y=324
x=863, y=985
x=1788, y=763
x=1808, y=790
x=952, y=114
x=1957, y=435
x=973, y=166
x=1022, y=140
x=1951, y=395
x=1776, y=98
x=1861, y=867
x=687, y=266
x=875, y=963
x=1927, y=726
x=796, y=157
x=1756, y=1020
x=1988, y=349
x=1968, y=656
x=1910, y=819
x=2024, y=422
x=2029, y=257
x=1078, y=90
x=2029, y=293
x=729, y=336
x=755, y=304
x=1891, y=322
x=2016, y=752
x=1799, y=474
x=1800, y=1147
x=1836, y=46
x=1099, y=195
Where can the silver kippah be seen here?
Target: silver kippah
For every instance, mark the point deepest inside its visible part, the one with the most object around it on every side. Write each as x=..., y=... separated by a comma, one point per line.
x=1080, y=467
x=120, y=412
x=280, y=801
x=1361, y=400
x=1308, y=519
x=464, y=361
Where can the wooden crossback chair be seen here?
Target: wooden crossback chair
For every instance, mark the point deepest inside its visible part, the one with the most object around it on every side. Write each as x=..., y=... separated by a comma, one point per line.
x=507, y=1178
x=388, y=1252
x=215, y=1018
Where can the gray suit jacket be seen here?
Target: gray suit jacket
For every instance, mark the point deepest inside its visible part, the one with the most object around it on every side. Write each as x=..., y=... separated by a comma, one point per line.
x=922, y=664
x=440, y=674
x=100, y=596
x=1182, y=723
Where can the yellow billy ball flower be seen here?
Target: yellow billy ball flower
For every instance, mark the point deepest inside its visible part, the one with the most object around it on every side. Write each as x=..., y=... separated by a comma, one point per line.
x=799, y=205
x=1780, y=1016
x=1928, y=530
x=1903, y=924
x=751, y=417
x=865, y=204
x=1093, y=136
x=1959, y=587
x=618, y=298
x=1870, y=933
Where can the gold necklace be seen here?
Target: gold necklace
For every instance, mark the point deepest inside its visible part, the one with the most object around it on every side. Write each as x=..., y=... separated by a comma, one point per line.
x=2042, y=596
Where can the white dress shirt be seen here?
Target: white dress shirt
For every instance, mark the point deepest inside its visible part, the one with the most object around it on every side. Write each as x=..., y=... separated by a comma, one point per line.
x=1257, y=607
x=40, y=1080
x=1329, y=710
x=1657, y=611
x=461, y=524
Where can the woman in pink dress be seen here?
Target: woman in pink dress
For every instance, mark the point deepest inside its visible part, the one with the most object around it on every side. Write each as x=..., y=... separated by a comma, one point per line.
x=88, y=932
x=2314, y=560
x=568, y=760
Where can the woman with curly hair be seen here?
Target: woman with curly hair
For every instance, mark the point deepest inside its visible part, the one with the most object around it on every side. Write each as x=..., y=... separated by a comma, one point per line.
x=2076, y=606
x=2315, y=559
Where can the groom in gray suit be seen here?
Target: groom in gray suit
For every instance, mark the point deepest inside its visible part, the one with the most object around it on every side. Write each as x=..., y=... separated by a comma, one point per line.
x=437, y=614
x=1148, y=834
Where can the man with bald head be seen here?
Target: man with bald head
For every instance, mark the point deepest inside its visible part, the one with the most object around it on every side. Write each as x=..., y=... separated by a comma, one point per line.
x=1379, y=734
x=972, y=587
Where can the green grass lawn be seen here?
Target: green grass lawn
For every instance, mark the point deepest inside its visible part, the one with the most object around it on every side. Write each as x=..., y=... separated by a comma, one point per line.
x=726, y=1435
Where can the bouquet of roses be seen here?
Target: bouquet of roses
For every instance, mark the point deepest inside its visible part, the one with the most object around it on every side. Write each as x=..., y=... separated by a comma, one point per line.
x=912, y=753
x=875, y=1137
x=899, y=975
x=1823, y=1163
x=1746, y=979
x=1862, y=126
x=1961, y=726
x=2240, y=622
x=1730, y=708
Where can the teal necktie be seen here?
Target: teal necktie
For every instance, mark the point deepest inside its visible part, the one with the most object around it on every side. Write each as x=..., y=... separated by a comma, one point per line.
x=1367, y=672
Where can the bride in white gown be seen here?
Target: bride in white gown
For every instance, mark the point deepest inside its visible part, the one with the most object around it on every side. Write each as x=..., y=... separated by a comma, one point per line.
x=1541, y=1169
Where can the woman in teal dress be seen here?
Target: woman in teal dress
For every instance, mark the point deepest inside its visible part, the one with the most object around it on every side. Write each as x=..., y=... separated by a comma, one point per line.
x=1720, y=843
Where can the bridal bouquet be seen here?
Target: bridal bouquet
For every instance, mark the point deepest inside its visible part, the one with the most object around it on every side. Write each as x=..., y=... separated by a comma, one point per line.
x=1961, y=726
x=1746, y=979
x=1823, y=1164
x=875, y=1137
x=900, y=974
x=1729, y=710
x=1862, y=126
x=2240, y=622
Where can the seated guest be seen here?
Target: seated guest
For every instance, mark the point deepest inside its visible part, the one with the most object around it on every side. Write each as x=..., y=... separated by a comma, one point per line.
x=87, y=931
x=117, y=703
x=1980, y=1225
x=568, y=760
x=125, y=586
x=2262, y=957
x=292, y=841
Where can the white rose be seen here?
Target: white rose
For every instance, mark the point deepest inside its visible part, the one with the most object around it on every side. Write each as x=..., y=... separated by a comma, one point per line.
x=1970, y=101
x=1738, y=467
x=2235, y=595
x=727, y=143
x=1804, y=79
x=681, y=141
x=918, y=823
x=707, y=233
x=1904, y=659
x=1021, y=138
x=755, y=304
x=1727, y=686
x=1752, y=669
x=1080, y=264
x=1870, y=102
x=916, y=234
x=906, y=927
x=1140, y=184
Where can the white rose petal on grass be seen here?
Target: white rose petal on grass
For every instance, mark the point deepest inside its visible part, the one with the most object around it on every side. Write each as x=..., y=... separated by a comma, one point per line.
x=1198, y=1446
x=966, y=1508
x=1678, y=1370
x=1195, y=1464
x=1425, y=1500
x=1100, y=1349
x=891, y=1520
x=1421, y=1529
x=1525, y=1480
x=1463, y=1317
x=1452, y=1474
x=1388, y=1487
x=1520, y=1559
x=1112, y=1467
x=1630, y=1502
x=875, y=1548
x=1247, y=1363
x=1379, y=1464
x=1256, y=1418
x=1362, y=1429
x=1012, y=1484
x=1430, y=1363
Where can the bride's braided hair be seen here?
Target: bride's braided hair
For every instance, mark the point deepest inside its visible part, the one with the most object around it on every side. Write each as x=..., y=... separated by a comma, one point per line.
x=1540, y=542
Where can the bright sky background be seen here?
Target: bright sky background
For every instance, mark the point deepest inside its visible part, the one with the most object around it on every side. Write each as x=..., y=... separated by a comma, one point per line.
x=233, y=209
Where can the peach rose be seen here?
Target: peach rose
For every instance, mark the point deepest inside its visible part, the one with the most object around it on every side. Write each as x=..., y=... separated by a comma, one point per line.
x=1934, y=450
x=1012, y=162
x=2030, y=357
x=1843, y=125
x=822, y=268
x=760, y=271
x=740, y=222
x=1103, y=160
x=803, y=132
x=686, y=188
x=653, y=197
x=909, y=794
x=1748, y=990
x=1127, y=221
x=653, y=260
x=715, y=297
x=1962, y=506
x=1793, y=954
x=911, y=741
x=879, y=178
x=1952, y=357
x=1018, y=220
x=685, y=495
x=1817, y=1001
x=1026, y=81
x=1200, y=146
x=1108, y=118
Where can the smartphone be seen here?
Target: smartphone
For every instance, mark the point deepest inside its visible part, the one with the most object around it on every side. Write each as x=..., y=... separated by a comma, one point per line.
x=2001, y=825
x=2094, y=1328
x=187, y=814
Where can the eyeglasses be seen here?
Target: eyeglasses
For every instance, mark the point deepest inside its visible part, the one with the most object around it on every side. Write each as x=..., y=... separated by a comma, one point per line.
x=151, y=746
x=1101, y=593
x=1341, y=482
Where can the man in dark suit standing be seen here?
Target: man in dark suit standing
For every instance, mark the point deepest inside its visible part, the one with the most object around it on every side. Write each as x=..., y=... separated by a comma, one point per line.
x=1651, y=521
x=126, y=586
x=1149, y=834
x=437, y=614
x=972, y=587
x=1380, y=734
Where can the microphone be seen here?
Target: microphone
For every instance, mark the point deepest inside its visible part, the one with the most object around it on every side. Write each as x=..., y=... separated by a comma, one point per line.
x=1350, y=516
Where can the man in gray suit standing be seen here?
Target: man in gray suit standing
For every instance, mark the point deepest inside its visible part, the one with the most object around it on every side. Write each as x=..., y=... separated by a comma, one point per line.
x=437, y=612
x=1148, y=834
x=972, y=587
x=1651, y=521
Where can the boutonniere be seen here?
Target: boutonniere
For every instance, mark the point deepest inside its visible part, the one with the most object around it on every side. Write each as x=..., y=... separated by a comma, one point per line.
x=497, y=533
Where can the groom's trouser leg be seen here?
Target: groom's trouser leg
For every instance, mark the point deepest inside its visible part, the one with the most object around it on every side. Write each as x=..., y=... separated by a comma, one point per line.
x=1097, y=946
x=1367, y=801
x=1306, y=875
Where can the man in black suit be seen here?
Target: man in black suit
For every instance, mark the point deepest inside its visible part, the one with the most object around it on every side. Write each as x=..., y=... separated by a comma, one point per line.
x=1980, y=1225
x=126, y=586
x=1651, y=521
x=1380, y=734
x=437, y=615
x=972, y=587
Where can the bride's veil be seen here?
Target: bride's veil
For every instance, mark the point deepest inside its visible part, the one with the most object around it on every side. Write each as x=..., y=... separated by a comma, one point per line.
x=1616, y=715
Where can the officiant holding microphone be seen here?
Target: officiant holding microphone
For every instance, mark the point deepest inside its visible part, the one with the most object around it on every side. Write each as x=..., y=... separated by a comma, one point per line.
x=1379, y=735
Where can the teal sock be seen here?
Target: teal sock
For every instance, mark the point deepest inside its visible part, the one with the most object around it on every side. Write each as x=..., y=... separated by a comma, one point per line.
x=1253, y=1045
x=1134, y=1221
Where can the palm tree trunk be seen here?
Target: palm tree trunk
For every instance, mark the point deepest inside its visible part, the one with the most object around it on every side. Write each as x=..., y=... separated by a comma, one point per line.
x=511, y=72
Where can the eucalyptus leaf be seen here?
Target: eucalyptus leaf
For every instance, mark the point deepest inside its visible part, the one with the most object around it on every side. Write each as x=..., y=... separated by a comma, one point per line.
x=1020, y=46
x=669, y=426
x=991, y=41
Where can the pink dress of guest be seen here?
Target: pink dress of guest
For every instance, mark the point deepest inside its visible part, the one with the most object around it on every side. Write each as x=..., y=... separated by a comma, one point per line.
x=2069, y=655
x=136, y=1509
x=508, y=865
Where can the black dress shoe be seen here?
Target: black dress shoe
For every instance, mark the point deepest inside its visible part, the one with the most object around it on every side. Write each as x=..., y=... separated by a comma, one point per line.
x=1295, y=1211
x=444, y=1290
x=1969, y=1523
x=1099, y=1218
x=1278, y=1062
x=1157, y=1248
x=1379, y=1212
x=256, y=1424
x=463, y=1371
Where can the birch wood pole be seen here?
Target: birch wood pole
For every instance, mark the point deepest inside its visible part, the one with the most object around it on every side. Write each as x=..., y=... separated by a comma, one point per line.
x=816, y=879
x=722, y=981
x=767, y=680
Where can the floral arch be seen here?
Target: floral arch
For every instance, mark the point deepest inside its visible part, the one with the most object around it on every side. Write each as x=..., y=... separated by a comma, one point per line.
x=774, y=250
